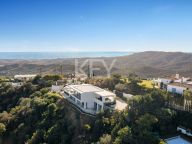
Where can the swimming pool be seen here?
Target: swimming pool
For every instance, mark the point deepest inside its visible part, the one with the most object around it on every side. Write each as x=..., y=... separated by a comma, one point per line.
x=177, y=140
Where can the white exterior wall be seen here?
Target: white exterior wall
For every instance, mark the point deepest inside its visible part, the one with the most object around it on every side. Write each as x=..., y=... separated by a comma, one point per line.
x=24, y=77
x=164, y=81
x=101, y=103
x=56, y=88
x=89, y=98
x=182, y=80
x=179, y=90
x=17, y=84
x=185, y=79
x=178, y=81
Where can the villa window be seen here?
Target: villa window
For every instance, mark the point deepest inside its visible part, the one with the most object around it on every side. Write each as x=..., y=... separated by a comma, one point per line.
x=99, y=98
x=78, y=102
x=99, y=107
x=82, y=104
x=174, y=90
x=66, y=93
x=77, y=95
x=72, y=98
x=95, y=106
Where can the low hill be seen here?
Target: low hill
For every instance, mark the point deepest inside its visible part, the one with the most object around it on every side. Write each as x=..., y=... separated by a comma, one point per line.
x=146, y=64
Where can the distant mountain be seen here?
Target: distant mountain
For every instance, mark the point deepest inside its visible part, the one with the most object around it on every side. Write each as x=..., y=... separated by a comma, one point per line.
x=157, y=63
x=146, y=64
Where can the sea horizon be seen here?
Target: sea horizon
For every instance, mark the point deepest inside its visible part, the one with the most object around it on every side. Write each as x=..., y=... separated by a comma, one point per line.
x=57, y=55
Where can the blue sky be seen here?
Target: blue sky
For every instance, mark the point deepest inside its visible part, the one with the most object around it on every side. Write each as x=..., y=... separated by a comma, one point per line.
x=95, y=25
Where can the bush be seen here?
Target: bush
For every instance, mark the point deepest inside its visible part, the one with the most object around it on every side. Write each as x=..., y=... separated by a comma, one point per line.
x=2, y=128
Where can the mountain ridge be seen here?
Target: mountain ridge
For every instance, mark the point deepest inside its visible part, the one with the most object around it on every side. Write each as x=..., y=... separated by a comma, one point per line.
x=146, y=64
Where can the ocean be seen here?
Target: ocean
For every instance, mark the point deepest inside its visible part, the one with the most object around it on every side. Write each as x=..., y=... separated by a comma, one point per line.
x=55, y=55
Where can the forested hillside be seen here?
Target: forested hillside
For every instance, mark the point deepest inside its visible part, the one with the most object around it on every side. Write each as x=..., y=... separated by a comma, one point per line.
x=32, y=114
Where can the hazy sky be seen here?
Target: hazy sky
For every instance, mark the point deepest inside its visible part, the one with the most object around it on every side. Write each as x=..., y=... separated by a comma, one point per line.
x=95, y=25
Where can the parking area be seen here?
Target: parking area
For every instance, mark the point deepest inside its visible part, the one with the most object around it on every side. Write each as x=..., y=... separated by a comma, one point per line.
x=120, y=105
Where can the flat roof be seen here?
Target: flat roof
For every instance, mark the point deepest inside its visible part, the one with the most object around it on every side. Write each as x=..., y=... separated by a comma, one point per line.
x=27, y=75
x=86, y=88
x=90, y=88
x=105, y=93
x=167, y=78
x=184, y=85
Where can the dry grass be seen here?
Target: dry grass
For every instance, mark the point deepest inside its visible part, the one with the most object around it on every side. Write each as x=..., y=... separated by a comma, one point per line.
x=146, y=83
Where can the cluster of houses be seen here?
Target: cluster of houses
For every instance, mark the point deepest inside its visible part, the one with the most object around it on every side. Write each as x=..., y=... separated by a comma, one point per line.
x=92, y=99
x=88, y=98
x=20, y=79
x=175, y=84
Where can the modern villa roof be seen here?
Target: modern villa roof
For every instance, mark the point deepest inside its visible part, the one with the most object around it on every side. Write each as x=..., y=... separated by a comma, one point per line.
x=90, y=88
x=85, y=88
x=104, y=93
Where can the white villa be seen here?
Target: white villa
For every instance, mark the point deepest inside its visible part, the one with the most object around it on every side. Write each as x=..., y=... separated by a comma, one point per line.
x=57, y=88
x=178, y=88
x=174, y=84
x=25, y=77
x=162, y=82
x=89, y=98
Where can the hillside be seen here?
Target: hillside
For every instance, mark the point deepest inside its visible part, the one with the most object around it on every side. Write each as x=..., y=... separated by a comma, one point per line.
x=157, y=63
x=33, y=114
x=145, y=64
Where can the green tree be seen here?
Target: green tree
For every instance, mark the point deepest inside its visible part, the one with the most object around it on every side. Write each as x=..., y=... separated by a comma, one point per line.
x=188, y=99
x=52, y=77
x=120, y=87
x=105, y=139
x=144, y=129
x=86, y=128
x=2, y=128
x=124, y=136
x=37, y=137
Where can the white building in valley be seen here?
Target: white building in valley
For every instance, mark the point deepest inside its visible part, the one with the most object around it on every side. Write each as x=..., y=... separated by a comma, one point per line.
x=57, y=88
x=178, y=88
x=89, y=98
x=25, y=77
x=162, y=82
